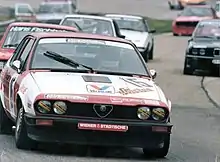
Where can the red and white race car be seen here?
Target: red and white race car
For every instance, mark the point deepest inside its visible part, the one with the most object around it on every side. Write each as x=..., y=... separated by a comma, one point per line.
x=81, y=88
x=16, y=31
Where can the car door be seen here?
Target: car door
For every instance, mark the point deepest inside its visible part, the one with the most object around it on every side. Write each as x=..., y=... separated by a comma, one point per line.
x=13, y=75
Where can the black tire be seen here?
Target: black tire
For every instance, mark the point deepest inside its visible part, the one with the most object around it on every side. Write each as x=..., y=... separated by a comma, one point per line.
x=22, y=140
x=5, y=123
x=187, y=71
x=174, y=34
x=151, y=53
x=145, y=56
x=160, y=152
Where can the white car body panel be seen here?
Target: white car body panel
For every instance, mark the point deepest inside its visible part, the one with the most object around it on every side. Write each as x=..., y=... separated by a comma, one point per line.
x=59, y=83
x=140, y=39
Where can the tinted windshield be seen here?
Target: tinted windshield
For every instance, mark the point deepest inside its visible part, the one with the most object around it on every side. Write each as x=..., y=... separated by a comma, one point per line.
x=130, y=24
x=197, y=11
x=90, y=25
x=100, y=55
x=207, y=29
x=17, y=33
x=24, y=9
x=54, y=8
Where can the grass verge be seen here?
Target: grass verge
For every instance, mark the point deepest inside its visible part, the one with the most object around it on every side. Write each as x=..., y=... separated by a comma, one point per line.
x=161, y=26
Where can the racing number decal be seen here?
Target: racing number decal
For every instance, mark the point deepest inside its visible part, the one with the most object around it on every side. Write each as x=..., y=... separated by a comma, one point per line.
x=136, y=82
x=11, y=94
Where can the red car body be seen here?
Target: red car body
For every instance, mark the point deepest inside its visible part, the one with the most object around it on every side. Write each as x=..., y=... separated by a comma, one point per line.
x=185, y=25
x=6, y=52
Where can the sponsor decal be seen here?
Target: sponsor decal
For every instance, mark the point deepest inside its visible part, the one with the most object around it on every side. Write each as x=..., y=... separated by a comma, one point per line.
x=121, y=100
x=151, y=102
x=126, y=91
x=23, y=89
x=100, y=88
x=65, y=97
x=85, y=41
x=103, y=127
x=34, y=29
x=136, y=82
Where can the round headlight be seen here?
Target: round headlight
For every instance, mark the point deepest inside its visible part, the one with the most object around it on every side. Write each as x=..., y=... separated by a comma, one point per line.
x=59, y=107
x=44, y=106
x=158, y=113
x=143, y=113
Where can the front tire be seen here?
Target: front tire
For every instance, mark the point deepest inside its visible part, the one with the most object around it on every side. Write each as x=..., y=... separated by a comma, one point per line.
x=5, y=123
x=160, y=152
x=186, y=70
x=22, y=140
x=151, y=53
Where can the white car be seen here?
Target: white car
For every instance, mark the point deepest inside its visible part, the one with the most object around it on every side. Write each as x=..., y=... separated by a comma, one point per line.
x=93, y=24
x=75, y=87
x=53, y=11
x=136, y=29
x=24, y=12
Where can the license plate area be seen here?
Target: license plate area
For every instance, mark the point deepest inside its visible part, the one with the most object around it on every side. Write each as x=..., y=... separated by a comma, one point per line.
x=103, y=127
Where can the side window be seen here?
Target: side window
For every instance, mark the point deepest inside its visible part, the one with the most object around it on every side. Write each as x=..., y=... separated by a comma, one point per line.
x=25, y=52
x=18, y=49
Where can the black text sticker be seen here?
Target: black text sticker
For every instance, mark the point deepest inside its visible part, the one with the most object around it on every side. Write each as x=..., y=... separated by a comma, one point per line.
x=136, y=82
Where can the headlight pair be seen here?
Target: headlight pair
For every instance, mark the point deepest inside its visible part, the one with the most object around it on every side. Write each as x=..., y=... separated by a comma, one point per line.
x=145, y=113
x=59, y=107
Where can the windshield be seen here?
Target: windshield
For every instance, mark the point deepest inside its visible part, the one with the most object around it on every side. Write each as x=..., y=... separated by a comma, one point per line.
x=97, y=54
x=54, y=8
x=17, y=33
x=130, y=24
x=197, y=11
x=23, y=9
x=90, y=25
x=204, y=29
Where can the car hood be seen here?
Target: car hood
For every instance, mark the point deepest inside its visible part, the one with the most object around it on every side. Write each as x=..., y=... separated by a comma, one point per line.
x=191, y=18
x=50, y=16
x=74, y=83
x=140, y=39
x=5, y=53
x=204, y=43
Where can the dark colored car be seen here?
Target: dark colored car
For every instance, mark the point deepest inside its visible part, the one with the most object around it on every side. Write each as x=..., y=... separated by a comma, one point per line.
x=203, y=51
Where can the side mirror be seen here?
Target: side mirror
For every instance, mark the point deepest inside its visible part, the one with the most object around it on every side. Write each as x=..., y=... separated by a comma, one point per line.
x=122, y=36
x=153, y=73
x=152, y=31
x=17, y=65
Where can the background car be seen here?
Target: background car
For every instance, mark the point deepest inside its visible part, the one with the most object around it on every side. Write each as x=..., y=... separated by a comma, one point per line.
x=93, y=24
x=16, y=31
x=103, y=104
x=180, y=4
x=137, y=30
x=24, y=12
x=203, y=49
x=187, y=20
x=217, y=8
x=53, y=11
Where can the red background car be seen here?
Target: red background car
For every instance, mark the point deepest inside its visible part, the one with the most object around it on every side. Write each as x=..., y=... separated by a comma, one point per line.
x=16, y=31
x=187, y=20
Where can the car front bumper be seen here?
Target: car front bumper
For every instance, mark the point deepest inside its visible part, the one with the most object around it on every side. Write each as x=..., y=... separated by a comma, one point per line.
x=202, y=63
x=65, y=130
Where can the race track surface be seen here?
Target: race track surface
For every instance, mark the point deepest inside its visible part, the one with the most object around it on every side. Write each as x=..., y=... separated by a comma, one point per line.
x=196, y=121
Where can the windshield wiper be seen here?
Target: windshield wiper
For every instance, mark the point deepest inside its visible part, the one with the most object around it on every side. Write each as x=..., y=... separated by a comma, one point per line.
x=65, y=60
x=131, y=29
x=10, y=45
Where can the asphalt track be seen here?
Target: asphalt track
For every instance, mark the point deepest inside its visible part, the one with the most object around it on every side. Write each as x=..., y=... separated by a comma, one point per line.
x=196, y=121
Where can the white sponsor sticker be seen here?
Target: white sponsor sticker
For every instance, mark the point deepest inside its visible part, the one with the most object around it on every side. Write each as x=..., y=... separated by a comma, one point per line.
x=199, y=46
x=65, y=97
x=34, y=29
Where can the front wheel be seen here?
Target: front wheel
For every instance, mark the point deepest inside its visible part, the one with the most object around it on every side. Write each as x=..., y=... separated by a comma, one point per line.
x=22, y=140
x=187, y=70
x=5, y=123
x=160, y=152
x=151, y=53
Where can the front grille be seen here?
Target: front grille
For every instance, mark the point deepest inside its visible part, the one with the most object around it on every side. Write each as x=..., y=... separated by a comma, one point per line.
x=187, y=24
x=209, y=52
